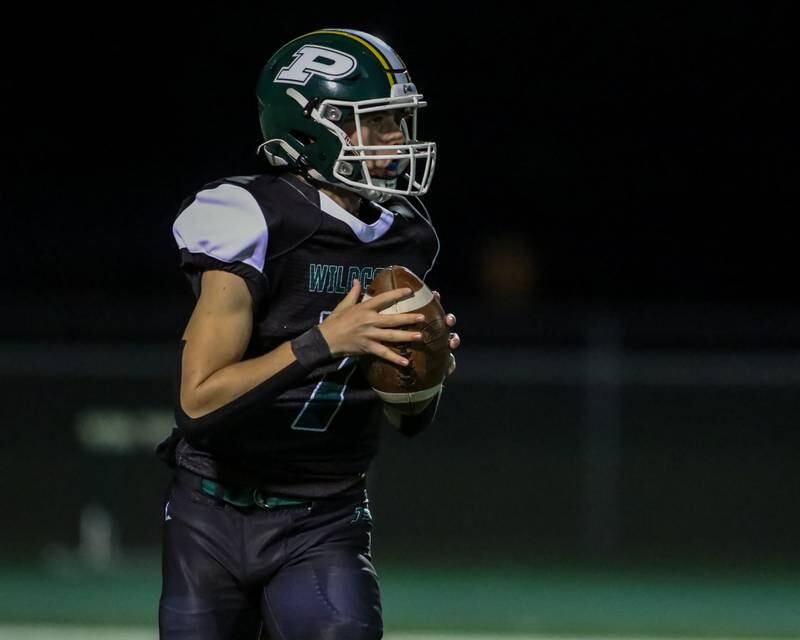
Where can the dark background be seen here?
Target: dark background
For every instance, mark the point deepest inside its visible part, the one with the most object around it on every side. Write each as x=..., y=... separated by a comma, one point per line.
x=643, y=153
x=616, y=192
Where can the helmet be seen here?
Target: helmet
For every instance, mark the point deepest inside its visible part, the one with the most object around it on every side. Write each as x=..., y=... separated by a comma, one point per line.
x=321, y=80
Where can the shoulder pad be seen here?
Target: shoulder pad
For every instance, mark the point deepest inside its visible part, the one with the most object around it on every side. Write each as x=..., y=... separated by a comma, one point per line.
x=290, y=206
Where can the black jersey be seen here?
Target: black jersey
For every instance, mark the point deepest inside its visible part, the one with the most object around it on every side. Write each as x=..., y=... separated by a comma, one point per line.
x=298, y=252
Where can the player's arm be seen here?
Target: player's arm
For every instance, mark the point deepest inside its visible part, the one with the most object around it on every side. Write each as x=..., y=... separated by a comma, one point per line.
x=213, y=373
x=411, y=421
x=219, y=389
x=410, y=424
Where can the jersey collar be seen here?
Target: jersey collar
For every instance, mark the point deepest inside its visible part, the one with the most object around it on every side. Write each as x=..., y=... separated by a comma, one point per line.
x=363, y=231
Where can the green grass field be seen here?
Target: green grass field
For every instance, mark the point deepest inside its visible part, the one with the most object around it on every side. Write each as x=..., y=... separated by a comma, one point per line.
x=116, y=633
x=440, y=604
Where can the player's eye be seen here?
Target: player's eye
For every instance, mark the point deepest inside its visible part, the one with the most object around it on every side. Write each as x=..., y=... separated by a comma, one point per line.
x=387, y=119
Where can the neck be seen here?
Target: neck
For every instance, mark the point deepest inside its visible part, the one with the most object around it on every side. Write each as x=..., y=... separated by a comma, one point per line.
x=347, y=200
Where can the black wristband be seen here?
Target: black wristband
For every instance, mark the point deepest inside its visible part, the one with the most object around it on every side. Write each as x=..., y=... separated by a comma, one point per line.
x=310, y=349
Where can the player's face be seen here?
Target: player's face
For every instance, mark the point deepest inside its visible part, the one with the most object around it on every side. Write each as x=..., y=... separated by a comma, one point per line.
x=378, y=128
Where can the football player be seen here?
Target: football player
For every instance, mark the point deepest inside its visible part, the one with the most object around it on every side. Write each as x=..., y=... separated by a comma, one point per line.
x=267, y=524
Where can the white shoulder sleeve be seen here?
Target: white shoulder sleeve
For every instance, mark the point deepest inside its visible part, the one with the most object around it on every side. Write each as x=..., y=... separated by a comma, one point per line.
x=225, y=223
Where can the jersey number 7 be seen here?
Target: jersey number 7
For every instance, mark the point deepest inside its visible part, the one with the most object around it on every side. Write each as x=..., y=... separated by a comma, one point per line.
x=324, y=402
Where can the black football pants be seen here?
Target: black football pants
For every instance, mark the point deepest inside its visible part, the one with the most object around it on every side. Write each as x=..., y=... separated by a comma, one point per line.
x=290, y=573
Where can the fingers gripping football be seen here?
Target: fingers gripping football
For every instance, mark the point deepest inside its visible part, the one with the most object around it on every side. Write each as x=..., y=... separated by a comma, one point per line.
x=358, y=328
x=454, y=340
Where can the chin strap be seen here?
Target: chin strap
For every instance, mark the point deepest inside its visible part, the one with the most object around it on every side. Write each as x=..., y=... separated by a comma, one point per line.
x=274, y=159
x=299, y=161
x=381, y=196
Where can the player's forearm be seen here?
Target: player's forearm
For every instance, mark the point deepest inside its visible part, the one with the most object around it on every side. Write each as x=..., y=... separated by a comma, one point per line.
x=238, y=392
x=229, y=383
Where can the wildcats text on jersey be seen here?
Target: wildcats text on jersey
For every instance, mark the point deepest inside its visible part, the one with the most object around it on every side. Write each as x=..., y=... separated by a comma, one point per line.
x=329, y=278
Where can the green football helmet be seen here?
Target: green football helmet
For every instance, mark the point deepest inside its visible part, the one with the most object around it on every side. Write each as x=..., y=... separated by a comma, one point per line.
x=324, y=79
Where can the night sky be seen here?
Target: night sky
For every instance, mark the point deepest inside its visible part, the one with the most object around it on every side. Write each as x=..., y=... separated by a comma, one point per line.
x=627, y=154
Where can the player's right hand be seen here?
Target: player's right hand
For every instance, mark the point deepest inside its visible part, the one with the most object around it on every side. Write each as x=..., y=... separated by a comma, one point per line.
x=358, y=328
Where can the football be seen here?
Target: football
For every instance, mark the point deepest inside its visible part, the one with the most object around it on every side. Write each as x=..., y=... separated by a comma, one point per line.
x=408, y=388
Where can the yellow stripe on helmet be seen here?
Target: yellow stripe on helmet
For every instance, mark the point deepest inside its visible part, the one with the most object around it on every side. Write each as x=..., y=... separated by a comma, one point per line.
x=384, y=62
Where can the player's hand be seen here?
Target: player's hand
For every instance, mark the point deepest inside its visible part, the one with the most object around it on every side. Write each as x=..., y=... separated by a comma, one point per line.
x=455, y=339
x=358, y=328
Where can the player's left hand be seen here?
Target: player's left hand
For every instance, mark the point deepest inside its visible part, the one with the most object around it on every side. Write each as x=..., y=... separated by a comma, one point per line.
x=455, y=339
